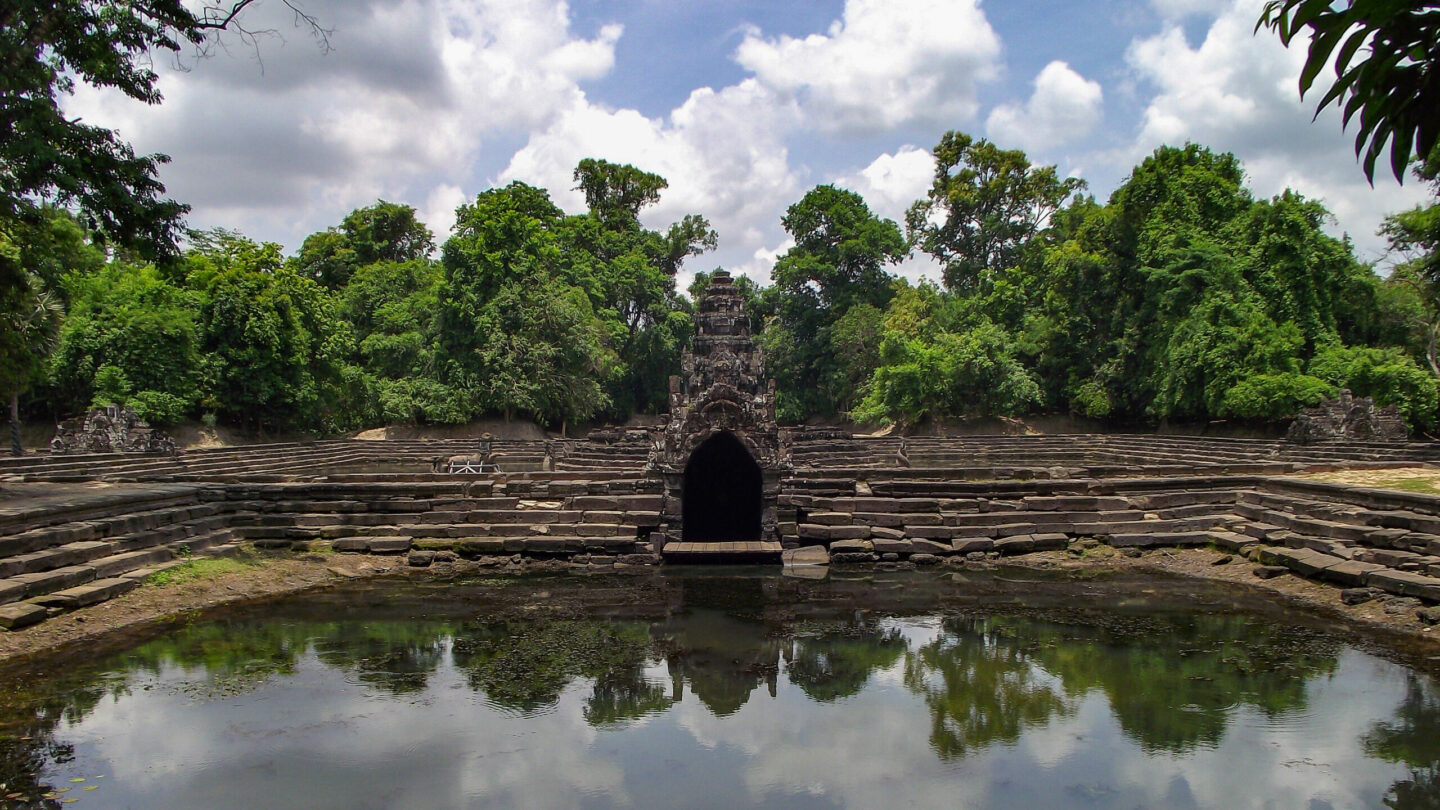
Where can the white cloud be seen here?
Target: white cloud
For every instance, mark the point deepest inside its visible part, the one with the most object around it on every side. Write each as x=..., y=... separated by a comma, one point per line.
x=1238, y=92
x=291, y=148
x=893, y=181
x=887, y=63
x=722, y=152
x=1064, y=107
x=889, y=184
x=438, y=212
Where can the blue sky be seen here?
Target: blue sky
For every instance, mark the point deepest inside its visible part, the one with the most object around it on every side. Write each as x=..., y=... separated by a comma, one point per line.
x=743, y=106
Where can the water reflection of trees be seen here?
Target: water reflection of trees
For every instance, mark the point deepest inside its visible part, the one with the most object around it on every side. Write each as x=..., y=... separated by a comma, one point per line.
x=829, y=662
x=1412, y=739
x=1172, y=685
x=524, y=666
x=983, y=685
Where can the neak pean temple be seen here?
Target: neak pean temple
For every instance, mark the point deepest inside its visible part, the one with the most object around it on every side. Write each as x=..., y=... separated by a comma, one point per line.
x=718, y=481
x=721, y=453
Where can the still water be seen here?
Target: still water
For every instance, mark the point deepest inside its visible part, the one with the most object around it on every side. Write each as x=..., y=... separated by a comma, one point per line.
x=731, y=690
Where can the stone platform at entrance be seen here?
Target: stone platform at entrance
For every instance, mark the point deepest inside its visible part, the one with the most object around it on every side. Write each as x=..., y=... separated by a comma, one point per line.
x=761, y=551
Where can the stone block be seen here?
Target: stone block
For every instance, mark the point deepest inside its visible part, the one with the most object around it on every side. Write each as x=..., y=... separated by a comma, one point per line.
x=884, y=533
x=645, y=518
x=351, y=545
x=472, y=547
x=1388, y=557
x=589, y=502
x=23, y=614
x=1016, y=544
x=552, y=545
x=616, y=543
x=922, y=519
x=884, y=546
x=1269, y=571
x=88, y=594
x=805, y=555
x=1006, y=530
x=11, y=591
x=938, y=549
x=1051, y=541
x=1385, y=538
x=830, y=518
x=967, y=545
x=925, y=559
x=47, y=581
x=851, y=547
x=1359, y=596
x=887, y=519
x=1230, y=541
x=420, y=559
x=388, y=545
x=1350, y=572
x=930, y=532
x=1405, y=583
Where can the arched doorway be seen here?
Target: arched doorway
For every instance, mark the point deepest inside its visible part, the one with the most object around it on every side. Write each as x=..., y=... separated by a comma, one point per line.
x=721, y=497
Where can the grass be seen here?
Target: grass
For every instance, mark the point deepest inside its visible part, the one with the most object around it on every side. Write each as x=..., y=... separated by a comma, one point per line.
x=1421, y=485
x=200, y=568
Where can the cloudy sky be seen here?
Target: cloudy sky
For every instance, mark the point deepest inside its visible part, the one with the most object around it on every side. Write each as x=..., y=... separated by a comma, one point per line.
x=743, y=105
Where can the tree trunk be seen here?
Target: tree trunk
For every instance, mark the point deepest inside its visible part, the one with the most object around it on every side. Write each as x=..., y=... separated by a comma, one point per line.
x=15, y=448
x=1430, y=350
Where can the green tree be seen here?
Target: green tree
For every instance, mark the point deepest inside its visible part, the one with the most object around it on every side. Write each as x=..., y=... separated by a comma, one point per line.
x=517, y=332
x=275, y=348
x=1182, y=287
x=837, y=264
x=629, y=272
x=131, y=339
x=391, y=308
x=933, y=370
x=30, y=316
x=383, y=232
x=984, y=208
x=1394, y=87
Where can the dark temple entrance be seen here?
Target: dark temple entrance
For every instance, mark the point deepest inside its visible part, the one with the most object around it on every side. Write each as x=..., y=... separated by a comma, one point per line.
x=721, y=497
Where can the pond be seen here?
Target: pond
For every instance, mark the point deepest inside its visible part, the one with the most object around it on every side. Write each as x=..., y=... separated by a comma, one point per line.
x=732, y=689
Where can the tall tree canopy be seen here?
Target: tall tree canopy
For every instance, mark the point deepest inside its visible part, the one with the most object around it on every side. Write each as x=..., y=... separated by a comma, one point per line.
x=837, y=266
x=984, y=207
x=383, y=232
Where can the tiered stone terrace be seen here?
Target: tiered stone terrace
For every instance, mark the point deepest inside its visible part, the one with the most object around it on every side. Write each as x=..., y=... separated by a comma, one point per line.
x=76, y=530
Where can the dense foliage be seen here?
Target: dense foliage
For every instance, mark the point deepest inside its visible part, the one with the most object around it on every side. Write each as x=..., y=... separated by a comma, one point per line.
x=1181, y=298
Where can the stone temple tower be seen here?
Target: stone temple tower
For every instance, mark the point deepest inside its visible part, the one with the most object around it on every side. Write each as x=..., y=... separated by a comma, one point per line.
x=720, y=453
